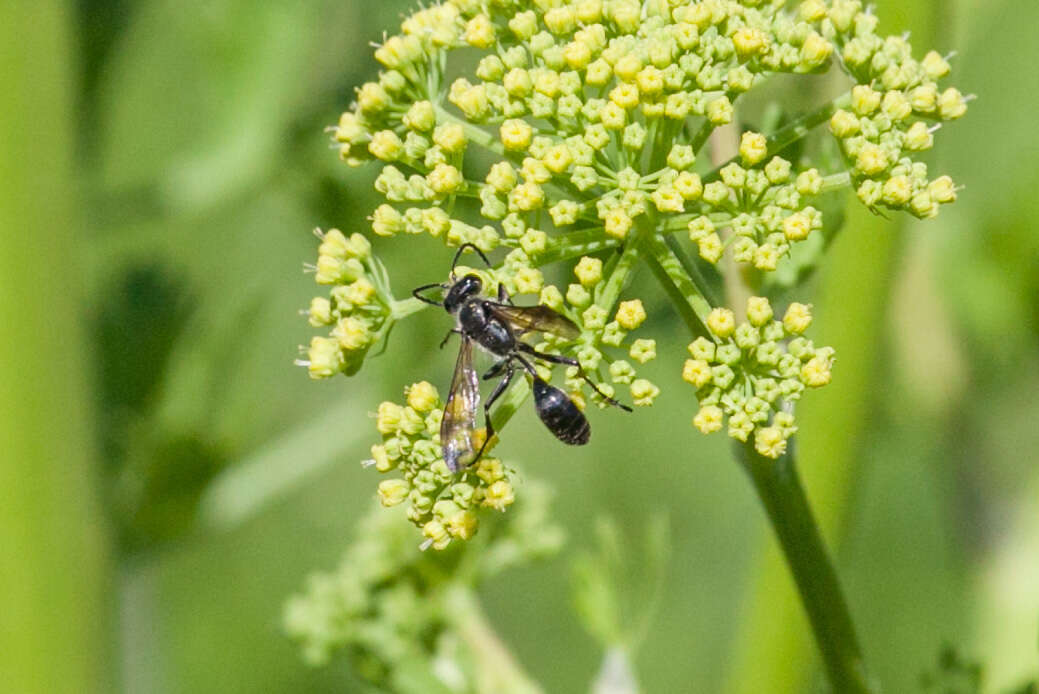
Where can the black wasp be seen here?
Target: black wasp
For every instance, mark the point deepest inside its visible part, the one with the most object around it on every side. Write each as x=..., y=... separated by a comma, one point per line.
x=496, y=327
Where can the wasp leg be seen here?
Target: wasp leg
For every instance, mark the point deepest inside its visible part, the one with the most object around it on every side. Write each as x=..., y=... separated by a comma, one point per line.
x=503, y=296
x=570, y=361
x=496, y=369
x=447, y=337
x=510, y=371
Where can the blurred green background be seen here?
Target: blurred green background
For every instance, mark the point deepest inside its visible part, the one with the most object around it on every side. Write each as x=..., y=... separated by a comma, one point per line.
x=168, y=477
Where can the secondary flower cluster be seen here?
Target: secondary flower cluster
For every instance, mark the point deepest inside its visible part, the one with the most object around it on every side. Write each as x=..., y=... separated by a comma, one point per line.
x=356, y=308
x=439, y=502
x=892, y=114
x=386, y=603
x=588, y=133
x=749, y=375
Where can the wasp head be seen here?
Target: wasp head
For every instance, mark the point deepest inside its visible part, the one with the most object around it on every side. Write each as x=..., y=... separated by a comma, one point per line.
x=468, y=286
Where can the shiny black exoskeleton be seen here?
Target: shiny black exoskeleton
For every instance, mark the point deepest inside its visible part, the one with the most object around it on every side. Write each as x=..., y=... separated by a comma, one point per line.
x=496, y=327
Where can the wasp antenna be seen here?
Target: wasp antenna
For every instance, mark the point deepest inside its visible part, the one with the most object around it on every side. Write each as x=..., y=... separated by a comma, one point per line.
x=461, y=249
x=417, y=293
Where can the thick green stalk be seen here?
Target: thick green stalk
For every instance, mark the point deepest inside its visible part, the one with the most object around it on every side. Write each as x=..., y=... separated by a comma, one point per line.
x=54, y=571
x=779, y=489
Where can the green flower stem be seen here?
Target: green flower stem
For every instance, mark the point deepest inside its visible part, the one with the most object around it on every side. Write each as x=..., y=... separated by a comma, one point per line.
x=627, y=262
x=496, y=669
x=779, y=488
x=685, y=311
x=793, y=131
x=577, y=243
x=685, y=295
x=835, y=181
x=405, y=307
x=690, y=266
x=473, y=133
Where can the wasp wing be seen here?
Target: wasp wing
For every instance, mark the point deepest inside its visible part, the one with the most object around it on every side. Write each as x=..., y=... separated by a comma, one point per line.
x=456, y=428
x=540, y=319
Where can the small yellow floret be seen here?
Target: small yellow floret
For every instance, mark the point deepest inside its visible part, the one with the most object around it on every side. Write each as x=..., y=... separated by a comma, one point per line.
x=816, y=372
x=721, y=322
x=631, y=314
x=797, y=226
x=617, y=223
x=423, y=396
x=393, y=492
x=770, y=442
x=709, y=419
x=872, y=159
x=479, y=32
x=797, y=318
x=450, y=137
x=696, y=372
x=516, y=134
x=462, y=524
x=749, y=41
x=558, y=158
x=437, y=534
x=588, y=271
x=753, y=148
x=499, y=495
x=759, y=311
x=387, y=419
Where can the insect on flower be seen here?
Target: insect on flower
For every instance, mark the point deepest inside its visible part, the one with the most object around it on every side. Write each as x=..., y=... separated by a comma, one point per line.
x=496, y=326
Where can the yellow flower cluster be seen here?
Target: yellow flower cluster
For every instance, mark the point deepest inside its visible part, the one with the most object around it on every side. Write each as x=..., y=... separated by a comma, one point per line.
x=592, y=120
x=442, y=504
x=356, y=308
x=749, y=375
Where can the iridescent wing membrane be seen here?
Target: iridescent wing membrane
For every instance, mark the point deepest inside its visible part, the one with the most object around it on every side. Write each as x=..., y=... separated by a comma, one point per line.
x=542, y=319
x=456, y=429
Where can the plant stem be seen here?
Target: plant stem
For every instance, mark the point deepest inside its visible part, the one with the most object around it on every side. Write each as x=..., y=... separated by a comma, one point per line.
x=779, y=488
x=790, y=133
x=56, y=567
x=496, y=669
x=687, y=297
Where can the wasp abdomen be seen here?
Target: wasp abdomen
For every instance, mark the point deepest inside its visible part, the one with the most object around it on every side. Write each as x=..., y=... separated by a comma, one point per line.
x=560, y=414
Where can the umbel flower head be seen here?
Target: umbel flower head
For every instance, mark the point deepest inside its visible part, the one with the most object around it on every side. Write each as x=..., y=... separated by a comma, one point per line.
x=388, y=604
x=598, y=127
